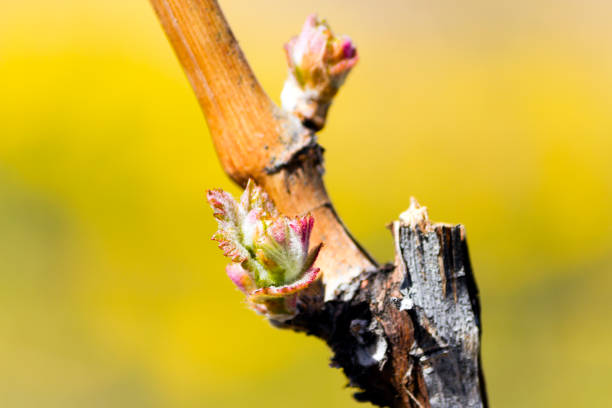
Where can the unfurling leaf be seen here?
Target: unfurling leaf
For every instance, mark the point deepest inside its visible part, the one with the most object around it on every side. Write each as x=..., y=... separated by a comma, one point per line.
x=269, y=252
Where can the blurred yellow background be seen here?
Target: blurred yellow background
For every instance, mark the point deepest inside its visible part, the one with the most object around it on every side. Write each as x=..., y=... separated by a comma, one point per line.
x=497, y=115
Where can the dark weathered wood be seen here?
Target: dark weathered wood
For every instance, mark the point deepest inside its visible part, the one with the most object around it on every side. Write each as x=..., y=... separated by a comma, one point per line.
x=407, y=335
x=440, y=294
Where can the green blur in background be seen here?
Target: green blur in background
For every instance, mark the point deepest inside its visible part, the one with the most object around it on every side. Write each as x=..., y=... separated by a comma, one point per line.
x=497, y=115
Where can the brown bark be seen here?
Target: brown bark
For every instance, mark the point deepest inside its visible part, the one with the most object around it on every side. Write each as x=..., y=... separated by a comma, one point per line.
x=252, y=136
x=378, y=321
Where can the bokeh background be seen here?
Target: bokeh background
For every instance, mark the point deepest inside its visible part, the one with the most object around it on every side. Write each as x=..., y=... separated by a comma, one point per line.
x=497, y=115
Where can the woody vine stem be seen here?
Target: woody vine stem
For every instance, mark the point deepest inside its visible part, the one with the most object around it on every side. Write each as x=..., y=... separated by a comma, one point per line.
x=405, y=335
